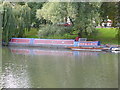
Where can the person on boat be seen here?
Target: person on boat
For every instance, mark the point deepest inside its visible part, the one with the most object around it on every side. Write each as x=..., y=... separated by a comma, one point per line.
x=79, y=36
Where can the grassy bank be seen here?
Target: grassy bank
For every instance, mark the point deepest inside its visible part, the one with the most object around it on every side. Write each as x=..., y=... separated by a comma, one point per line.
x=32, y=33
x=105, y=35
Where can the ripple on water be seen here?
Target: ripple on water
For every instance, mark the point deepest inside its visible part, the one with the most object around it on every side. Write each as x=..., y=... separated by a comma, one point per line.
x=79, y=70
x=14, y=76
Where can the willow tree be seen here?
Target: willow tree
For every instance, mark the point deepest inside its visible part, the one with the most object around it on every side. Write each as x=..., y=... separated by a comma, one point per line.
x=1, y=12
x=9, y=24
x=23, y=19
x=16, y=20
x=26, y=14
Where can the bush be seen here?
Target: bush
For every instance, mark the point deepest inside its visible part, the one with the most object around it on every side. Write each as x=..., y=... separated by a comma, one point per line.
x=53, y=30
x=32, y=33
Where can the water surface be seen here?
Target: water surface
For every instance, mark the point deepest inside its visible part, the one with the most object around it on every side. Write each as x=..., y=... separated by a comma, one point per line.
x=54, y=68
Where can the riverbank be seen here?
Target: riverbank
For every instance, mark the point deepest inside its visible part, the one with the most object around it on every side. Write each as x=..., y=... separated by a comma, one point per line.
x=107, y=36
x=104, y=35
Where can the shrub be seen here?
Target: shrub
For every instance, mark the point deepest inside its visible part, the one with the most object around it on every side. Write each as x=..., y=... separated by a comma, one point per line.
x=31, y=34
x=53, y=30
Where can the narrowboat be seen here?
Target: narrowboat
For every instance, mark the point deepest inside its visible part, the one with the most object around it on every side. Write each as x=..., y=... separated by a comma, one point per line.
x=81, y=45
x=47, y=43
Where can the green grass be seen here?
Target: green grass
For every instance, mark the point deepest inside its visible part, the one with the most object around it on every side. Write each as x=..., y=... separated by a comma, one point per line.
x=65, y=36
x=107, y=35
x=104, y=35
x=32, y=33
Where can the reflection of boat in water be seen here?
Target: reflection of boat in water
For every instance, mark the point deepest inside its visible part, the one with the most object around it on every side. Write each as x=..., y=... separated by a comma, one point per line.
x=52, y=52
x=55, y=52
x=37, y=51
x=89, y=49
x=21, y=51
x=113, y=49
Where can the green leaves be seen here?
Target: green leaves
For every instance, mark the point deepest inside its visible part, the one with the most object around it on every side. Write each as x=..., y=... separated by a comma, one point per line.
x=84, y=14
x=87, y=17
x=50, y=30
x=109, y=9
x=16, y=20
x=8, y=22
x=57, y=11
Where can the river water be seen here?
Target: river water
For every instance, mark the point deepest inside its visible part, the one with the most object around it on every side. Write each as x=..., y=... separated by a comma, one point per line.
x=56, y=68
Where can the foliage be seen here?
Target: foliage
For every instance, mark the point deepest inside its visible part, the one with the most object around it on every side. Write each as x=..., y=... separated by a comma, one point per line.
x=51, y=30
x=1, y=7
x=104, y=35
x=87, y=17
x=9, y=26
x=56, y=11
x=18, y=17
x=34, y=6
x=84, y=14
x=33, y=33
x=26, y=15
x=1, y=12
x=109, y=9
x=16, y=20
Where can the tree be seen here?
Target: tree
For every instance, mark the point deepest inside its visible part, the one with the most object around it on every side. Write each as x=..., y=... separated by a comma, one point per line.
x=16, y=20
x=109, y=9
x=87, y=17
x=1, y=12
x=84, y=14
x=34, y=6
x=26, y=15
x=56, y=11
x=9, y=25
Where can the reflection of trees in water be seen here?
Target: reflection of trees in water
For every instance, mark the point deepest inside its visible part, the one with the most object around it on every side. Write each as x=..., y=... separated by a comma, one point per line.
x=48, y=71
x=14, y=70
x=98, y=72
x=52, y=72
x=15, y=77
x=69, y=72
